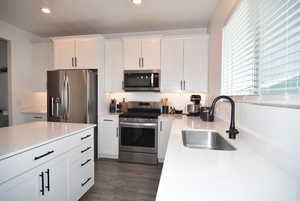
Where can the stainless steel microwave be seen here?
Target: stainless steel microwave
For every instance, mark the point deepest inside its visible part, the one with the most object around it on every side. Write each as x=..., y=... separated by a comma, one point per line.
x=141, y=80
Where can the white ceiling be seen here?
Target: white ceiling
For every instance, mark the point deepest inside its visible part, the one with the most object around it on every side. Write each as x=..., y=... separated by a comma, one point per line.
x=70, y=17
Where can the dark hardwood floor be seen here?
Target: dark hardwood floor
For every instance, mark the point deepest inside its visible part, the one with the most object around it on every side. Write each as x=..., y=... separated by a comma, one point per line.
x=116, y=181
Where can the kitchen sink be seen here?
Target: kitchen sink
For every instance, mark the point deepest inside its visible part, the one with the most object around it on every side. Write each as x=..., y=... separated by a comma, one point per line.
x=200, y=139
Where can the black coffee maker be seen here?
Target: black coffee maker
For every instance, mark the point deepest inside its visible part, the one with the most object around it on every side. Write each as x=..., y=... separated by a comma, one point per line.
x=194, y=108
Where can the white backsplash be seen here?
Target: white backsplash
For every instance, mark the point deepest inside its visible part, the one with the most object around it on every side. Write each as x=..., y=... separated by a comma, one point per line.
x=179, y=100
x=274, y=132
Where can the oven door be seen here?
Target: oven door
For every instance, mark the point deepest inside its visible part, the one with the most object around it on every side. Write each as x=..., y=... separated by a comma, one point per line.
x=138, y=137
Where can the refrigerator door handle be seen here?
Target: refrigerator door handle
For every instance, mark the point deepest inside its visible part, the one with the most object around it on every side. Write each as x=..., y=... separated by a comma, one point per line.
x=68, y=98
x=51, y=106
x=88, y=97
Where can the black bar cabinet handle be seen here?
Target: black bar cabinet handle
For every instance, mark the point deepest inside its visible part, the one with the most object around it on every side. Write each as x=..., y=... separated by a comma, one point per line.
x=43, y=155
x=87, y=136
x=43, y=189
x=86, y=149
x=84, y=183
x=83, y=164
x=48, y=179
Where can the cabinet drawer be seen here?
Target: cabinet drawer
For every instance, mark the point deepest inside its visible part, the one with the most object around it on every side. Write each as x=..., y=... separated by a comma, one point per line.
x=82, y=175
x=112, y=120
x=25, y=161
x=87, y=177
x=82, y=150
x=86, y=135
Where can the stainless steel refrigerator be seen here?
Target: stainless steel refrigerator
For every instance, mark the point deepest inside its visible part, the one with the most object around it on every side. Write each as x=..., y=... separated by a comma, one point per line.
x=72, y=97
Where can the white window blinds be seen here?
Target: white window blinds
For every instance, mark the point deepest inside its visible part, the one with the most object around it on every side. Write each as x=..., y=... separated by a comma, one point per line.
x=261, y=48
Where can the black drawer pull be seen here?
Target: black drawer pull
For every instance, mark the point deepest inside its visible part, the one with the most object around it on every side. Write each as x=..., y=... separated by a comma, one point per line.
x=43, y=188
x=37, y=117
x=108, y=120
x=88, y=148
x=86, y=137
x=83, y=164
x=84, y=183
x=41, y=156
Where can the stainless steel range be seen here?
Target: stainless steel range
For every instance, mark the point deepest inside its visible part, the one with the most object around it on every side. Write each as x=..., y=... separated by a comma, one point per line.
x=139, y=133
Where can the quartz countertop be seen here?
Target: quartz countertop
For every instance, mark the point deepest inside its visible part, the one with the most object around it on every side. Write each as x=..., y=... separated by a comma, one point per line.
x=211, y=175
x=17, y=139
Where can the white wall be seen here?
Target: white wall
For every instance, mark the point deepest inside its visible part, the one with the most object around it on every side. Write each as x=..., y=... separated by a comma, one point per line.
x=42, y=60
x=20, y=62
x=274, y=131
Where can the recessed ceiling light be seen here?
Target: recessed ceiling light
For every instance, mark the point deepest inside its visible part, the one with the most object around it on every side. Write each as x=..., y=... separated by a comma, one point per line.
x=46, y=10
x=137, y=2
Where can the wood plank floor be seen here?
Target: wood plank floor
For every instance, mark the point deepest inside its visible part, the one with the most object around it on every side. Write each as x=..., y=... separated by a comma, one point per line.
x=115, y=181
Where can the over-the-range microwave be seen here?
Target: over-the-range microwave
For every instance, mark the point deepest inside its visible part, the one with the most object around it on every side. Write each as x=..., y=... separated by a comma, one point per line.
x=141, y=80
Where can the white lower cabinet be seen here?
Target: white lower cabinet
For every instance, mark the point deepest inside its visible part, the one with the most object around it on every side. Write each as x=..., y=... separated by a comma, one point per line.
x=55, y=179
x=109, y=137
x=66, y=177
x=22, y=188
x=164, y=129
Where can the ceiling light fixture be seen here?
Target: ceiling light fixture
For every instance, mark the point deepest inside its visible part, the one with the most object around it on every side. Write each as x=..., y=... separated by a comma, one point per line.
x=46, y=10
x=137, y=2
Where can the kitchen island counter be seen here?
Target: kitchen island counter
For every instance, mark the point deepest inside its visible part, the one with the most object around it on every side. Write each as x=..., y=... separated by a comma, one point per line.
x=20, y=138
x=211, y=175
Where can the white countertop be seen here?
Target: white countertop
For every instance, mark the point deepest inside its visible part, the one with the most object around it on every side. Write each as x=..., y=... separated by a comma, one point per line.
x=17, y=139
x=207, y=175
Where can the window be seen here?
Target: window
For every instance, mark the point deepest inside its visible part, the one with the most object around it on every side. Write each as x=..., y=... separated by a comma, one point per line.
x=261, y=48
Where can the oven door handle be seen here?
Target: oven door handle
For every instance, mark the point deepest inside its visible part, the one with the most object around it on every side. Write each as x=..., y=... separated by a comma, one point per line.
x=138, y=125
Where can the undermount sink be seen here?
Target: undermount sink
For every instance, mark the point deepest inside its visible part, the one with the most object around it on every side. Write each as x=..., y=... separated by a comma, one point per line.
x=205, y=140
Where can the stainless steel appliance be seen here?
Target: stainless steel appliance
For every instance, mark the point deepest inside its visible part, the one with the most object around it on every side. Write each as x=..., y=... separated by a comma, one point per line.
x=141, y=80
x=194, y=108
x=72, y=97
x=139, y=133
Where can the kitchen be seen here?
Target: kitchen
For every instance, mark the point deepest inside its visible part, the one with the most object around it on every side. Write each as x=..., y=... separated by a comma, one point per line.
x=105, y=105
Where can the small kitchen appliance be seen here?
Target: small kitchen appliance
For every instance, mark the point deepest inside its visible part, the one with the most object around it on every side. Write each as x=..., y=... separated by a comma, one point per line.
x=194, y=108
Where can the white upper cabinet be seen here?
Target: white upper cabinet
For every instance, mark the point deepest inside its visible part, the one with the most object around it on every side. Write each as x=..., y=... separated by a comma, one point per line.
x=142, y=53
x=77, y=52
x=172, y=65
x=64, y=53
x=151, y=53
x=184, y=64
x=87, y=50
x=113, y=65
x=132, y=53
x=195, y=64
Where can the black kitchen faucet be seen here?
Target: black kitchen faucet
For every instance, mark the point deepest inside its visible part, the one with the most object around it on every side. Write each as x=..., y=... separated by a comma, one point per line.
x=232, y=130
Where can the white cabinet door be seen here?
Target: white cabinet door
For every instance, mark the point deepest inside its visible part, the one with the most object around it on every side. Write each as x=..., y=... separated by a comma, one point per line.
x=56, y=179
x=87, y=53
x=109, y=137
x=113, y=65
x=172, y=65
x=195, y=64
x=165, y=125
x=64, y=53
x=132, y=53
x=151, y=53
x=22, y=188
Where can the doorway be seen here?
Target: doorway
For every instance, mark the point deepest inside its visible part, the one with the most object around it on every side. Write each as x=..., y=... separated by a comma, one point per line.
x=4, y=83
